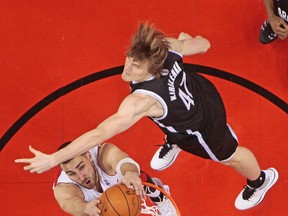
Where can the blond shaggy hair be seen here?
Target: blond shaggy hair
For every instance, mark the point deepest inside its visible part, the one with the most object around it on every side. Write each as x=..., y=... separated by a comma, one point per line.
x=149, y=44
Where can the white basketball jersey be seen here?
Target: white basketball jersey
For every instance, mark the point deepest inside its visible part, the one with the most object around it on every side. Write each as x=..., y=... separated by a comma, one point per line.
x=106, y=180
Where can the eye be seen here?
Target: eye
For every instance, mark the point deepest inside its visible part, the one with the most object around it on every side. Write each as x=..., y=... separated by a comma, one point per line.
x=82, y=167
x=71, y=174
x=136, y=65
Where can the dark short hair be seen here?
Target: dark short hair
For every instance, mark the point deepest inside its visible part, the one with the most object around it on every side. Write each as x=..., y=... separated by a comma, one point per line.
x=62, y=147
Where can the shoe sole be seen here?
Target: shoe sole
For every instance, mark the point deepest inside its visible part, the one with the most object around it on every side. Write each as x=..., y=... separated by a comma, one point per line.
x=171, y=162
x=273, y=183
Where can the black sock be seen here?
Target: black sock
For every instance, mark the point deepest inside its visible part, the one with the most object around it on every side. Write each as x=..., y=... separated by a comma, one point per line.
x=258, y=182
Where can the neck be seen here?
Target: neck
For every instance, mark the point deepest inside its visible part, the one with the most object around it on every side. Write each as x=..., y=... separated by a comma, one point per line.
x=97, y=186
x=147, y=79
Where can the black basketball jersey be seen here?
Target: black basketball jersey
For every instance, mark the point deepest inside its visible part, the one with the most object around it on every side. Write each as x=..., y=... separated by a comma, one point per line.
x=190, y=102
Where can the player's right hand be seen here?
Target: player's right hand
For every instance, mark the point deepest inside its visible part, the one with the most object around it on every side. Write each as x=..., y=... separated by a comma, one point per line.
x=40, y=163
x=279, y=26
x=92, y=209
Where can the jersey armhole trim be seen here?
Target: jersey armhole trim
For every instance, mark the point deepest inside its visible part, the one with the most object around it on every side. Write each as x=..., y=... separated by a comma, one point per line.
x=157, y=97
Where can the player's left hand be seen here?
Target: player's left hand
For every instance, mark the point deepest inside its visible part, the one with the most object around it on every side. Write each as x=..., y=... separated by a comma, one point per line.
x=39, y=164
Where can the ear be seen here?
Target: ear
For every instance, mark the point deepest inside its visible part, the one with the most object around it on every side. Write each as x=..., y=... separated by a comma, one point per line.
x=88, y=155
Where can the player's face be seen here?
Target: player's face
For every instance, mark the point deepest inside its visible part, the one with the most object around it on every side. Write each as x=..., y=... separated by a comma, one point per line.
x=135, y=71
x=81, y=170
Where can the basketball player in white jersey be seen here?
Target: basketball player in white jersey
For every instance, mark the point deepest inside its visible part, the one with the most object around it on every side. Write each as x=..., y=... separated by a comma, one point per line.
x=185, y=105
x=84, y=178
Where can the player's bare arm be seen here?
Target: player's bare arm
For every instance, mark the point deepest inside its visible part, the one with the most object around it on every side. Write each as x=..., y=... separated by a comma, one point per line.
x=71, y=199
x=187, y=45
x=110, y=157
x=270, y=8
x=147, y=105
x=131, y=110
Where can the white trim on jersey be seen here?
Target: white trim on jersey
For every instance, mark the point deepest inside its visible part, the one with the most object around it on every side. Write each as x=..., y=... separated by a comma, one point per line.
x=160, y=99
x=173, y=51
x=164, y=105
x=206, y=147
x=232, y=132
x=171, y=129
x=150, y=78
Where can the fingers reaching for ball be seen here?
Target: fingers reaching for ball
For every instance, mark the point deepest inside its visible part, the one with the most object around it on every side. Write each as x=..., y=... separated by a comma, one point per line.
x=132, y=180
x=119, y=200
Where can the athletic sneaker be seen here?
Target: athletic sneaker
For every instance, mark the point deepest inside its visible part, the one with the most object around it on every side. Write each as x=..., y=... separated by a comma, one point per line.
x=165, y=207
x=250, y=197
x=164, y=156
x=267, y=34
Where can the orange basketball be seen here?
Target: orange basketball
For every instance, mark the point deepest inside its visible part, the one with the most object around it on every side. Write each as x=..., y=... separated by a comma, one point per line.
x=119, y=200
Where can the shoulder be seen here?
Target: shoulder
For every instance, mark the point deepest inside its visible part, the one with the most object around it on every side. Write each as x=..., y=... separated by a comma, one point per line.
x=130, y=99
x=108, y=151
x=109, y=155
x=106, y=148
x=136, y=100
x=174, y=55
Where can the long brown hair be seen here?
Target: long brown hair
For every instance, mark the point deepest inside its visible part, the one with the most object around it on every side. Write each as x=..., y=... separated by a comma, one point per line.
x=149, y=44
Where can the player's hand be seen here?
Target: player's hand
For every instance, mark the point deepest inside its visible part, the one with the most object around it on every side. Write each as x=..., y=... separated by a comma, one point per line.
x=92, y=209
x=39, y=164
x=132, y=179
x=279, y=26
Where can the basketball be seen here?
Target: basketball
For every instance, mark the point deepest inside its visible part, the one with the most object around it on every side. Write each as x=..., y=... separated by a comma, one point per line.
x=119, y=200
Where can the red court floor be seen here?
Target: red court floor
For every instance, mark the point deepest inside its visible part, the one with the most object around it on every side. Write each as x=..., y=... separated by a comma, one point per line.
x=46, y=45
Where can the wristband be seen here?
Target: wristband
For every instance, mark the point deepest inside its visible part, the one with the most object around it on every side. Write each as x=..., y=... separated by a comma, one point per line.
x=126, y=160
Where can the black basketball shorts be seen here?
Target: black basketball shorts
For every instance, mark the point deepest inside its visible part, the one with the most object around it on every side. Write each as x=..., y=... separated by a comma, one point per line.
x=199, y=144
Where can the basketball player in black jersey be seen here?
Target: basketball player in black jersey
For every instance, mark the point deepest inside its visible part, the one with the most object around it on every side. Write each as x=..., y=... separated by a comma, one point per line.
x=185, y=105
x=276, y=24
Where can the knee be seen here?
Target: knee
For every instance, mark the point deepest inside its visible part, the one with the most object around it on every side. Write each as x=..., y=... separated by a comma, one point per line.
x=236, y=158
x=241, y=154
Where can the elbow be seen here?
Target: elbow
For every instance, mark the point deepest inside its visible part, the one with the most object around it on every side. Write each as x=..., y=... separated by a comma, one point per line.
x=204, y=44
x=207, y=46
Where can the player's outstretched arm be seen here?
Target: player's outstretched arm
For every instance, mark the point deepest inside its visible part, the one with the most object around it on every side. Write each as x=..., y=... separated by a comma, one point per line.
x=130, y=111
